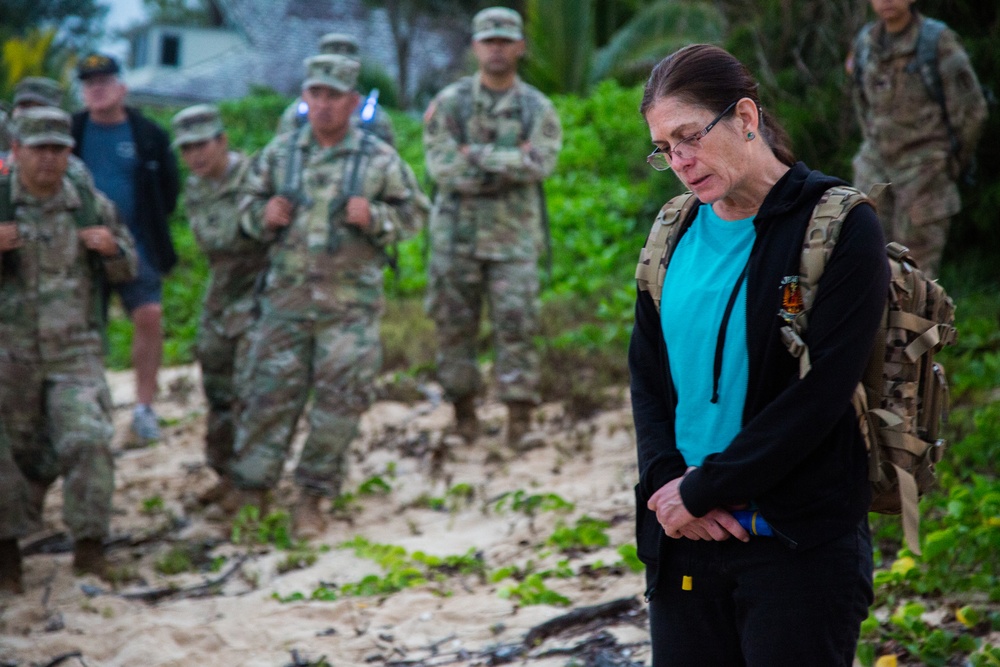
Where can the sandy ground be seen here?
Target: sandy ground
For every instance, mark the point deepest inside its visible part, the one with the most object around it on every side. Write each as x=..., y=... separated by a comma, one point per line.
x=457, y=620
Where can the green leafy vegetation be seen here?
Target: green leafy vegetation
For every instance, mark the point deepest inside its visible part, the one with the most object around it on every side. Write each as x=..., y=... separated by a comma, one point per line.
x=401, y=570
x=587, y=534
x=531, y=504
x=251, y=529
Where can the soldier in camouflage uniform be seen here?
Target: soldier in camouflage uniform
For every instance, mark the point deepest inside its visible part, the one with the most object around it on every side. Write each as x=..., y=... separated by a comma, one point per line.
x=59, y=244
x=368, y=117
x=29, y=92
x=490, y=140
x=916, y=142
x=328, y=199
x=235, y=260
x=39, y=91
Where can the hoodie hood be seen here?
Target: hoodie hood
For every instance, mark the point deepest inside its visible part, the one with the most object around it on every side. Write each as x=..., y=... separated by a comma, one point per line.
x=798, y=189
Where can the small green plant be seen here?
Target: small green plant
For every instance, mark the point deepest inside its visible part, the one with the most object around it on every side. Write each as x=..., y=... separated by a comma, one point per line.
x=176, y=560
x=250, y=529
x=630, y=558
x=301, y=555
x=153, y=505
x=345, y=504
x=587, y=534
x=374, y=486
x=401, y=570
x=534, y=591
x=532, y=504
x=458, y=496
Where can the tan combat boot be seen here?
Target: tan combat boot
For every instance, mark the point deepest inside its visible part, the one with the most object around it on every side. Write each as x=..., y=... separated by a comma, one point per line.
x=518, y=422
x=466, y=422
x=88, y=558
x=308, y=521
x=11, y=580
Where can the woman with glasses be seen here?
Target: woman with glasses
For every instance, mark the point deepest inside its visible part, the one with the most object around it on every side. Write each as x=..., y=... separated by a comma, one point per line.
x=725, y=427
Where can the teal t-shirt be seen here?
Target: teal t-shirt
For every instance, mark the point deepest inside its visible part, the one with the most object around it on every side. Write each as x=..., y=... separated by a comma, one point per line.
x=699, y=282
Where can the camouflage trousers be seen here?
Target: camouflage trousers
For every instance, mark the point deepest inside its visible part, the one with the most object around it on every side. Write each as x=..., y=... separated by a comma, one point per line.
x=455, y=295
x=287, y=359
x=13, y=493
x=57, y=416
x=917, y=209
x=926, y=241
x=221, y=359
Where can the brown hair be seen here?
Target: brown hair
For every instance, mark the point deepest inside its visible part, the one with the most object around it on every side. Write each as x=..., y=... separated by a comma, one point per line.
x=710, y=77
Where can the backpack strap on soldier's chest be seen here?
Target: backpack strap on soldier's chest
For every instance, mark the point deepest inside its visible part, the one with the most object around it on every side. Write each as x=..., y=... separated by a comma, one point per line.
x=674, y=218
x=6, y=205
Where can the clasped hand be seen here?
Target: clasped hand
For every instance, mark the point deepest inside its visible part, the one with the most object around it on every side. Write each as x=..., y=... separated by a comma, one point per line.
x=278, y=212
x=678, y=522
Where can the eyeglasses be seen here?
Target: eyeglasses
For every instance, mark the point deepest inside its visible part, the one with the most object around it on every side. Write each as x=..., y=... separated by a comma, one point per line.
x=660, y=159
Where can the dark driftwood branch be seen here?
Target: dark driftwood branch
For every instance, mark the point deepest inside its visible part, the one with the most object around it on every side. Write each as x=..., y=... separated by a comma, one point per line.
x=198, y=590
x=580, y=616
x=59, y=659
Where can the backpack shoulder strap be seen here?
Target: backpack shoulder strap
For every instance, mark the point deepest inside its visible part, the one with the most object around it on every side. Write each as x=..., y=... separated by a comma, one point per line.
x=820, y=239
x=291, y=185
x=673, y=219
x=86, y=215
x=862, y=52
x=6, y=206
x=930, y=72
x=927, y=57
x=464, y=91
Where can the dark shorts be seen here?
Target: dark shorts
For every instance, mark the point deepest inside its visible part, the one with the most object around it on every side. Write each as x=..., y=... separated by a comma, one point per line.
x=146, y=288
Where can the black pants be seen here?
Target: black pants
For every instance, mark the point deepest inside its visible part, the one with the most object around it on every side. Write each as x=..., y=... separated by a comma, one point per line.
x=761, y=604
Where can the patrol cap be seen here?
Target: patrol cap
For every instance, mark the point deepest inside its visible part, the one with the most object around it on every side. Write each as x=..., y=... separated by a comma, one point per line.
x=96, y=64
x=333, y=71
x=198, y=123
x=338, y=43
x=497, y=22
x=38, y=90
x=42, y=126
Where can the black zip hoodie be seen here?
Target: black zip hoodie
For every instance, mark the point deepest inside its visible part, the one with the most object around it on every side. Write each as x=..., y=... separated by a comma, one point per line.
x=799, y=455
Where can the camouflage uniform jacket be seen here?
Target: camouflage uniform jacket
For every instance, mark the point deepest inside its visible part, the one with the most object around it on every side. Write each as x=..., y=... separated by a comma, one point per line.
x=5, y=131
x=905, y=132
x=321, y=267
x=489, y=203
x=380, y=124
x=47, y=298
x=234, y=258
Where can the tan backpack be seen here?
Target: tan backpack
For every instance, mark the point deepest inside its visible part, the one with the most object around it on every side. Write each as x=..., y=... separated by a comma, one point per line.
x=903, y=396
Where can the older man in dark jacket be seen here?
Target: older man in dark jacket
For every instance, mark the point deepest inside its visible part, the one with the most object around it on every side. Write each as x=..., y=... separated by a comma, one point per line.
x=132, y=163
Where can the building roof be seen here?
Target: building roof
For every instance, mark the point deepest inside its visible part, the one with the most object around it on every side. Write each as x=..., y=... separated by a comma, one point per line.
x=277, y=35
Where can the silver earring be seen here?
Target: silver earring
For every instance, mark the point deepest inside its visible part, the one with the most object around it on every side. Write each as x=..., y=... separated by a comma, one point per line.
x=751, y=136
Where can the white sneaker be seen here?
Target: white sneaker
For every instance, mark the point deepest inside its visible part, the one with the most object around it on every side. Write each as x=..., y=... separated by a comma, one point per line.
x=145, y=424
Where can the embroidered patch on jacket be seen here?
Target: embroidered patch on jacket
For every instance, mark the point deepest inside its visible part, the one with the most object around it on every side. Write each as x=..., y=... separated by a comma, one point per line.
x=791, y=298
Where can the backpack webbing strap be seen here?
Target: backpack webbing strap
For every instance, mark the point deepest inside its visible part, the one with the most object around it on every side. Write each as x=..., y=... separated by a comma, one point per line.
x=910, y=508
x=660, y=244
x=8, y=260
x=820, y=239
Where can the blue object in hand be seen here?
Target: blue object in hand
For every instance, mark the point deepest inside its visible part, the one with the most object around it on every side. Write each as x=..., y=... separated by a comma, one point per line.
x=753, y=523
